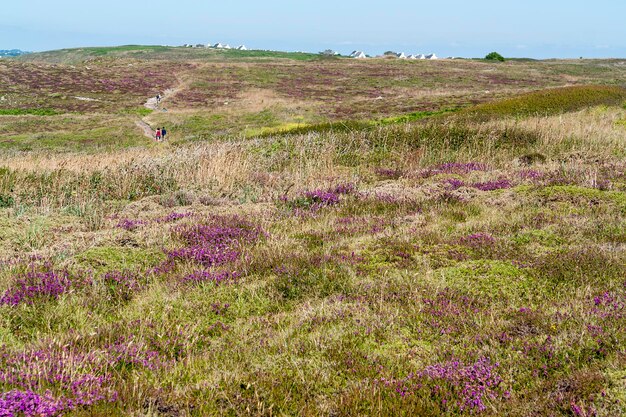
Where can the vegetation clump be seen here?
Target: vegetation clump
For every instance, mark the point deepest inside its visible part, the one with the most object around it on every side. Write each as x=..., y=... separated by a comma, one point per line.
x=550, y=102
x=494, y=56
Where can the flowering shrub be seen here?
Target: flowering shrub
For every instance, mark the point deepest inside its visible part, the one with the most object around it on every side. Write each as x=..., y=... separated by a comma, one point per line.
x=456, y=385
x=130, y=353
x=321, y=198
x=40, y=283
x=78, y=379
x=216, y=243
x=478, y=240
x=173, y=217
x=453, y=168
x=448, y=312
x=389, y=173
x=492, y=185
x=344, y=189
x=28, y=403
x=456, y=167
x=531, y=174
x=130, y=224
x=123, y=284
x=454, y=183
x=609, y=305
x=317, y=199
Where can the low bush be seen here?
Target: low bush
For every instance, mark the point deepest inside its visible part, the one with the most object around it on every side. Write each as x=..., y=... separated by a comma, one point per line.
x=494, y=56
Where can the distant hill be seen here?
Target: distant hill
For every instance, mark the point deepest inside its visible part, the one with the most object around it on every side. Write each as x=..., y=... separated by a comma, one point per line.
x=11, y=52
x=157, y=52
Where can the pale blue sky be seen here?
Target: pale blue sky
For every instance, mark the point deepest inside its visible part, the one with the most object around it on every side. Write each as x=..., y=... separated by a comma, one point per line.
x=530, y=28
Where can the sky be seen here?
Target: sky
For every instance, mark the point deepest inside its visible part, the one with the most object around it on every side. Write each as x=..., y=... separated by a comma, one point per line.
x=464, y=28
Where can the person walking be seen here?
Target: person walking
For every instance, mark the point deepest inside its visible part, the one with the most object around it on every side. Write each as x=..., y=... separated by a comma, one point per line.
x=163, y=133
x=157, y=135
x=158, y=98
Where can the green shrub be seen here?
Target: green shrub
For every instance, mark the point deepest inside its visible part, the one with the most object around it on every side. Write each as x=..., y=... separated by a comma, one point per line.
x=494, y=56
x=6, y=201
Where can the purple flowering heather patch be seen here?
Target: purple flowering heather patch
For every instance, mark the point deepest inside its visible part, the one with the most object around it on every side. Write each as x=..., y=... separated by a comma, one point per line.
x=531, y=174
x=461, y=167
x=456, y=385
x=316, y=199
x=344, y=189
x=28, y=403
x=450, y=311
x=609, y=305
x=389, y=173
x=453, y=168
x=473, y=383
x=353, y=226
x=173, y=217
x=454, y=183
x=216, y=243
x=78, y=380
x=493, y=185
x=130, y=353
x=130, y=224
x=40, y=283
x=478, y=240
x=322, y=198
x=123, y=284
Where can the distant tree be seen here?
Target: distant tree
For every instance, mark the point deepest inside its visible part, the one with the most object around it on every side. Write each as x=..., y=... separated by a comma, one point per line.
x=388, y=53
x=494, y=56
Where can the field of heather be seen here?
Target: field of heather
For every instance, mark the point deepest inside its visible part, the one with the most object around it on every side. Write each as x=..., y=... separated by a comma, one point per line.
x=315, y=237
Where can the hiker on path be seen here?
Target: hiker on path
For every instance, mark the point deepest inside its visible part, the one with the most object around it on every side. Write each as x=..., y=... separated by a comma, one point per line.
x=158, y=98
x=157, y=136
x=163, y=133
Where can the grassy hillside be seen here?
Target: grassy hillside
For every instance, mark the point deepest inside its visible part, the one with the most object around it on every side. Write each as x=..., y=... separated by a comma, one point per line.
x=300, y=247
x=156, y=52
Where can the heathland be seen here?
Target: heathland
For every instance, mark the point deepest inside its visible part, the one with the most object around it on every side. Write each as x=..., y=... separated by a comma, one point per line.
x=315, y=236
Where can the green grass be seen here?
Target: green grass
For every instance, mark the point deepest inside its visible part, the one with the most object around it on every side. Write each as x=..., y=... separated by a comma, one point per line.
x=346, y=125
x=254, y=54
x=103, y=259
x=35, y=112
x=575, y=192
x=497, y=278
x=90, y=140
x=139, y=111
x=101, y=51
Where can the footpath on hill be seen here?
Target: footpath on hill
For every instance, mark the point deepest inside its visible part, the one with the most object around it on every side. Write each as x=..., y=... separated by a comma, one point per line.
x=153, y=104
x=146, y=128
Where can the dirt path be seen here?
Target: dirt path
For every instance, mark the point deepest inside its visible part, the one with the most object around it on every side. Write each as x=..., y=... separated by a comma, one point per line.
x=146, y=128
x=152, y=101
x=152, y=104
